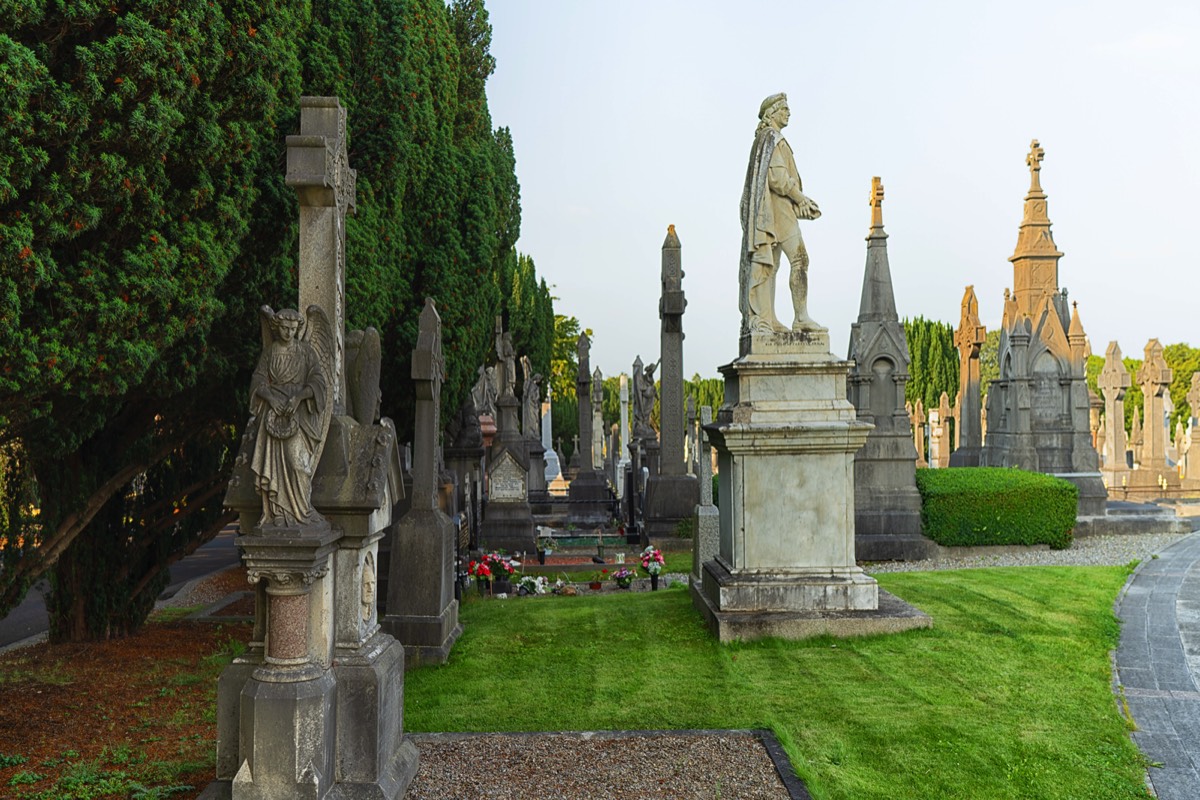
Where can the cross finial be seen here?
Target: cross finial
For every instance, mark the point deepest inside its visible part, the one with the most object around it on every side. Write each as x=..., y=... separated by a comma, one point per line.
x=876, y=202
x=1034, y=160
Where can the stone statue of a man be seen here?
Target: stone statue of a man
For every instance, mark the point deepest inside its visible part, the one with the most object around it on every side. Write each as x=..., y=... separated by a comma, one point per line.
x=772, y=202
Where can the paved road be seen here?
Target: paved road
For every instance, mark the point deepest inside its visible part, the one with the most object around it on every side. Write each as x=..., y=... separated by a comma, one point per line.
x=1158, y=664
x=29, y=618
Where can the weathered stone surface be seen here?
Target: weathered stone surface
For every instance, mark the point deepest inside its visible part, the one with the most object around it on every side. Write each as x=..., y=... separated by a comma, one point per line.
x=279, y=733
x=969, y=338
x=1038, y=407
x=887, y=506
x=671, y=493
x=772, y=204
x=1114, y=382
x=707, y=542
x=591, y=499
x=1155, y=378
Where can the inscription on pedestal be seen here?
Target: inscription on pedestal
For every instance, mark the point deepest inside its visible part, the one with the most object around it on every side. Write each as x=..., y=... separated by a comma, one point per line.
x=507, y=481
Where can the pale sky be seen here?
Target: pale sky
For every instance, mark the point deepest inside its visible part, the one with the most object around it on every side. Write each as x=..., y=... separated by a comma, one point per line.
x=631, y=115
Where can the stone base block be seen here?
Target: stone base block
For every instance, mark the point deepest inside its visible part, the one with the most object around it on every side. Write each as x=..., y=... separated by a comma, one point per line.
x=509, y=527
x=591, y=500
x=892, y=615
x=427, y=640
x=1092, y=494
x=840, y=589
x=287, y=739
x=966, y=457
x=1124, y=525
x=229, y=699
x=670, y=499
x=374, y=761
x=887, y=547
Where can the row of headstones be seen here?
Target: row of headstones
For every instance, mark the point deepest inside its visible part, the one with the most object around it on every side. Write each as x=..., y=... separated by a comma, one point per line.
x=1147, y=446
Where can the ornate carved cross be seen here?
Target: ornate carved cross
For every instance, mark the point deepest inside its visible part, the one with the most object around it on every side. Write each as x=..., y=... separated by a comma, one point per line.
x=876, y=201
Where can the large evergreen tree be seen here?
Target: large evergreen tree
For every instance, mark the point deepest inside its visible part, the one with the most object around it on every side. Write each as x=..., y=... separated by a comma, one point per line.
x=143, y=219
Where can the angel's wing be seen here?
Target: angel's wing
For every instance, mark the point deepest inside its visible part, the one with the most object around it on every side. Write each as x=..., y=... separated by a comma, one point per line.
x=318, y=332
x=363, y=370
x=265, y=315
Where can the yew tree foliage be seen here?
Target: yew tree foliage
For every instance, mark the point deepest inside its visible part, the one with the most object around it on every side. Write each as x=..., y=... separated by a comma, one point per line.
x=934, y=367
x=144, y=218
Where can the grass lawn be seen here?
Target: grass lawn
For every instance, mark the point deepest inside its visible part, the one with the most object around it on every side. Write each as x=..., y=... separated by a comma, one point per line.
x=1007, y=696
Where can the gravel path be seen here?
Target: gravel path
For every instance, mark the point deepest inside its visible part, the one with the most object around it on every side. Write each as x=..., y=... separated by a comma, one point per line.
x=601, y=764
x=1090, y=551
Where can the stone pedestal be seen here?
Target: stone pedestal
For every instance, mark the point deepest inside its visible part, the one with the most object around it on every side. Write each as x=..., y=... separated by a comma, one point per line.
x=670, y=499
x=786, y=439
x=508, y=519
x=421, y=610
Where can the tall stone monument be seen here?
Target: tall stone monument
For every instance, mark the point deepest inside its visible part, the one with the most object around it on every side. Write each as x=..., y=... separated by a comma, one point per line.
x=508, y=519
x=1038, y=406
x=786, y=437
x=531, y=418
x=969, y=338
x=597, y=403
x=1155, y=378
x=918, y=420
x=314, y=708
x=1114, y=382
x=1191, y=459
x=671, y=493
x=940, y=443
x=589, y=490
x=421, y=610
x=887, y=505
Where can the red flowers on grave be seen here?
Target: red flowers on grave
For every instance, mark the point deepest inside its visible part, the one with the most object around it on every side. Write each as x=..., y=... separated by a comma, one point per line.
x=492, y=566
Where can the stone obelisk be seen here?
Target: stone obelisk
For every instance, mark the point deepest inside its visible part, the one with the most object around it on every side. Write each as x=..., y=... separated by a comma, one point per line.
x=590, y=498
x=672, y=494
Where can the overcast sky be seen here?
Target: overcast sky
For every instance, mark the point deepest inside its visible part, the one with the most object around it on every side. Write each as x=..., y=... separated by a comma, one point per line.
x=629, y=115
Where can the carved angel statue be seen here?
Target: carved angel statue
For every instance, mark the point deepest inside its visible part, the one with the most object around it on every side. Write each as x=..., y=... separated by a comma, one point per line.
x=484, y=393
x=291, y=403
x=531, y=400
x=506, y=378
x=643, y=402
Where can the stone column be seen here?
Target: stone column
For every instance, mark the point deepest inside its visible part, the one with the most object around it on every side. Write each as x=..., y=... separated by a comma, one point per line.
x=590, y=497
x=671, y=493
x=918, y=424
x=969, y=339
x=421, y=610
x=707, y=542
x=1192, y=460
x=597, y=390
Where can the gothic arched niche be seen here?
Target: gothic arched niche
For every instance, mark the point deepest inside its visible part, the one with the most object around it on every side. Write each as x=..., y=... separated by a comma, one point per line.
x=883, y=391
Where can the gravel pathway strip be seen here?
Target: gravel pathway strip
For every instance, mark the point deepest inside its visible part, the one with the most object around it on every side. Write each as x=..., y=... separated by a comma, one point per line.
x=1090, y=551
x=626, y=764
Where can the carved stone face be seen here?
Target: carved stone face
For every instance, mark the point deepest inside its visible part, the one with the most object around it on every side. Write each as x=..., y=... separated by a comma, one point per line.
x=287, y=330
x=781, y=116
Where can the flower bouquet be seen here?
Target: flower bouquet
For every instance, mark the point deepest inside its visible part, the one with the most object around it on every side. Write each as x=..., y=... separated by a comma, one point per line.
x=493, y=567
x=624, y=577
x=652, y=562
x=530, y=584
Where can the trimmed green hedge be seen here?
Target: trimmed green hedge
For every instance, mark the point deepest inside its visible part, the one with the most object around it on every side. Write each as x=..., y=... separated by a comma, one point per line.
x=970, y=506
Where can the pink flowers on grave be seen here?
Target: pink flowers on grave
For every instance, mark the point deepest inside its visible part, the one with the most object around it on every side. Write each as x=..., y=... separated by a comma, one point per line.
x=652, y=560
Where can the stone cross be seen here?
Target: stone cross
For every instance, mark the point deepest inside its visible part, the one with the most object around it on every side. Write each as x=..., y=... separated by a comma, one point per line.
x=318, y=168
x=1114, y=381
x=969, y=338
x=428, y=372
x=876, y=202
x=705, y=458
x=1135, y=436
x=1155, y=379
x=942, y=432
x=670, y=310
x=1034, y=160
